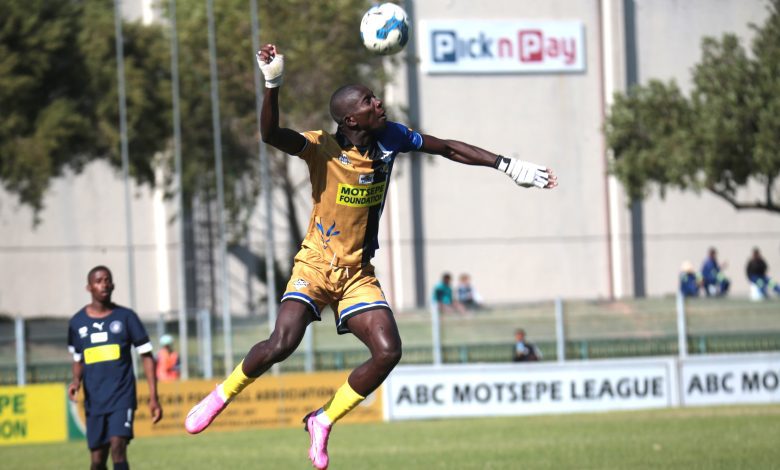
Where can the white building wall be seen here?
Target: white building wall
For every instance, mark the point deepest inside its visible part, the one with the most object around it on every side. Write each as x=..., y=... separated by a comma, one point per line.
x=44, y=268
x=518, y=245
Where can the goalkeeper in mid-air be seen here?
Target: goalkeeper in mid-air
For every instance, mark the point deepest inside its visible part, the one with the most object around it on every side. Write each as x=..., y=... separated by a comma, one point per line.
x=349, y=172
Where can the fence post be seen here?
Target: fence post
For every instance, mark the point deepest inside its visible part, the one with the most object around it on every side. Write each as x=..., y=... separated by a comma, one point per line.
x=160, y=327
x=682, y=330
x=21, y=361
x=204, y=317
x=308, y=339
x=560, y=337
x=436, y=333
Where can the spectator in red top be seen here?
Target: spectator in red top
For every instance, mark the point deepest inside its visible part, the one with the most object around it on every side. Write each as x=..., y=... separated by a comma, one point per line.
x=167, y=360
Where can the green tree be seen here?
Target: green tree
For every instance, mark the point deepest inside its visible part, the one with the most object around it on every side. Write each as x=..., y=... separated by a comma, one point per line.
x=58, y=90
x=724, y=136
x=323, y=51
x=58, y=93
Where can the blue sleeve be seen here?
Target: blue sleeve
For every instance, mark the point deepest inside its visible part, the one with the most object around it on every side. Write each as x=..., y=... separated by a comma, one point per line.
x=402, y=138
x=135, y=328
x=74, y=346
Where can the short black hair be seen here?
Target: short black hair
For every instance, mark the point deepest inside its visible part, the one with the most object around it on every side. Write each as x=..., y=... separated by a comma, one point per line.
x=339, y=101
x=96, y=269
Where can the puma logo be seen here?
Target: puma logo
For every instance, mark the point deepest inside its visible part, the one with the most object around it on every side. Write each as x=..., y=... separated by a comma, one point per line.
x=99, y=326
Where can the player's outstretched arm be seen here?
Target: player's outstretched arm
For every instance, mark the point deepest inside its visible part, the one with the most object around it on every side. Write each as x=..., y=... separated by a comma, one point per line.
x=271, y=64
x=155, y=409
x=523, y=173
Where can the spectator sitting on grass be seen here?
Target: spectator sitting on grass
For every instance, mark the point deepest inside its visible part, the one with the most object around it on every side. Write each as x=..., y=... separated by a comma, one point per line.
x=467, y=295
x=714, y=282
x=756, y=273
x=442, y=296
x=524, y=351
x=689, y=280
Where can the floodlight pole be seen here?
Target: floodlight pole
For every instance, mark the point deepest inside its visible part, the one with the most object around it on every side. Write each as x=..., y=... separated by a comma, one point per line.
x=182, y=284
x=215, y=121
x=120, y=75
x=265, y=181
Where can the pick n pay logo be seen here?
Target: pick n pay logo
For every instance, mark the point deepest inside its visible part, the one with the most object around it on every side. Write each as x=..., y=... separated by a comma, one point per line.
x=503, y=46
x=526, y=46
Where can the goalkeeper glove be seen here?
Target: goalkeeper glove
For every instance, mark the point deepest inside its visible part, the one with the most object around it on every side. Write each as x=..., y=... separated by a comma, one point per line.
x=525, y=174
x=272, y=71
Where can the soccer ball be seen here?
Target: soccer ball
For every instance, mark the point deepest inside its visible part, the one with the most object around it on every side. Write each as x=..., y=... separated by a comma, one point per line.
x=384, y=29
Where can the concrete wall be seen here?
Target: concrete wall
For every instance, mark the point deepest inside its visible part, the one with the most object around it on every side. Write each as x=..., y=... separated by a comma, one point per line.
x=43, y=268
x=517, y=244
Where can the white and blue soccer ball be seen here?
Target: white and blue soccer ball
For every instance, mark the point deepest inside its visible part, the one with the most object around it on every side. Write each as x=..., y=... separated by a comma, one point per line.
x=385, y=29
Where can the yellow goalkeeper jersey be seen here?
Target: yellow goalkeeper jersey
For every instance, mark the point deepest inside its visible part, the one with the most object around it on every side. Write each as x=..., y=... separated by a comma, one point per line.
x=349, y=186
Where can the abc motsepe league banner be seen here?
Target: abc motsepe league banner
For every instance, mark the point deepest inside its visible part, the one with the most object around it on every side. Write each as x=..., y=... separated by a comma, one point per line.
x=529, y=388
x=580, y=386
x=730, y=379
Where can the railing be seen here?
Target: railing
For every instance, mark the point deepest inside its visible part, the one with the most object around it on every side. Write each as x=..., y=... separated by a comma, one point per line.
x=473, y=353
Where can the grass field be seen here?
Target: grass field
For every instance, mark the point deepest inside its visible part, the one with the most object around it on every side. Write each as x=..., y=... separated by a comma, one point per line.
x=695, y=438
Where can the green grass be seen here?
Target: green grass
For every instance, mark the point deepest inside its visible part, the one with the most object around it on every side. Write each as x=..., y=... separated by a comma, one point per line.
x=742, y=437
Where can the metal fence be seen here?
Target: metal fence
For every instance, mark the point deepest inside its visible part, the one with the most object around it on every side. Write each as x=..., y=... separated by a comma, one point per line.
x=34, y=351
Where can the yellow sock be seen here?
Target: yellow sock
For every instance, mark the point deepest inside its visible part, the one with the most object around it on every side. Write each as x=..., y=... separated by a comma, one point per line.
x=236, y=382
x=342, y=403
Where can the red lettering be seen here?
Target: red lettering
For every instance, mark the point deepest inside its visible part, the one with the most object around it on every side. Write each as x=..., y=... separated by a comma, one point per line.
x=531, y=48
x=534, y=47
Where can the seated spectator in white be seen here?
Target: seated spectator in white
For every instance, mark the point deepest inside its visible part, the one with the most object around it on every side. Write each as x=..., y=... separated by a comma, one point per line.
x=467, y=295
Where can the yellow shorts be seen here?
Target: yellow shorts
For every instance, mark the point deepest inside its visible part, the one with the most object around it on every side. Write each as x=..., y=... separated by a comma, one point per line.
x=349, y=290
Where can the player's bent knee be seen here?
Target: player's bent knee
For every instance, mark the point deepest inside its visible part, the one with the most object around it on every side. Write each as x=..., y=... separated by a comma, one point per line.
x=282, y=347
x=388, y=358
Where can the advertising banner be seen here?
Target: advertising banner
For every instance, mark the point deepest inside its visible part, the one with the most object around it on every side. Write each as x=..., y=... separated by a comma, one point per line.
x=732, y=379
x=271, y=401
x=501, y=46
x=521, y=389
x=33, y=413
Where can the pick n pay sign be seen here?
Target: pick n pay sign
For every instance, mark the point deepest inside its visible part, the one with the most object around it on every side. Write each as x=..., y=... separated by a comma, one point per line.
x=501, y=46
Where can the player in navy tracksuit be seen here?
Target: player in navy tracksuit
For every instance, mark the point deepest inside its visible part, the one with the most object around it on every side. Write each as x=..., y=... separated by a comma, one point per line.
x=100, y=337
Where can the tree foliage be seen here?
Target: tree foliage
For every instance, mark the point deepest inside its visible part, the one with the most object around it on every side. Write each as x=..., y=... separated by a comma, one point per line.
x=322, y=51
x=58, y=88
x=721, y=138
x=58, y=93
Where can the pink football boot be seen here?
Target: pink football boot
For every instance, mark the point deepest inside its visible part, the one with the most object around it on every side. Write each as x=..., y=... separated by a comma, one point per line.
x=202, y=414
x=318, y=433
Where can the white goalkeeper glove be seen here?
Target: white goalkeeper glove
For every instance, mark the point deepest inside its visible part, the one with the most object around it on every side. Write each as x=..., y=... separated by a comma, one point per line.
x=272, y=71
x=525, y=174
